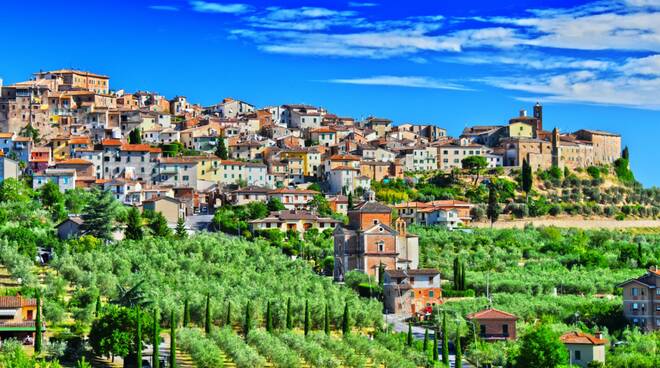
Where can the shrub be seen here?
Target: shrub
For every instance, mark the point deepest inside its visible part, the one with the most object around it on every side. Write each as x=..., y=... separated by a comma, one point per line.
x=312, y=352
x=272, y=348
x=242, y=354
x=203, y=351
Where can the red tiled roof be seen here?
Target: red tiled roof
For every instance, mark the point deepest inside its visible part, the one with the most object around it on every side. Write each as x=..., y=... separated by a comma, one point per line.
x=74, y=161
x=344, y=158
x=16, y=302
x=491, y=314
x=581, y=339
x=135, y=147
x=111, y=142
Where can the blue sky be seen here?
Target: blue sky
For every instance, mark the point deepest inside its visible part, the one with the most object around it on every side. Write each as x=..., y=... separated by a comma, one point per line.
x=452, y=63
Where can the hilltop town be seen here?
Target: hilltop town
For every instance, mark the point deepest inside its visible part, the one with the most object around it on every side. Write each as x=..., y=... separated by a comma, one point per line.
x=329, y=221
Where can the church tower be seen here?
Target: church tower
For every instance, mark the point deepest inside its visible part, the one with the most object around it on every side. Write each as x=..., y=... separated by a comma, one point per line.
x=538, y=114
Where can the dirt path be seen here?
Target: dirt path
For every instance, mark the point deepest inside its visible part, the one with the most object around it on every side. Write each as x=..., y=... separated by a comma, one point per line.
x=572, y=222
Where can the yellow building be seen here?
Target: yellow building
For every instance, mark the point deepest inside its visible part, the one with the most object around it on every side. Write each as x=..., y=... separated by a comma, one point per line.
x=60, y=147
x=209, y=168
x=521, y=130
x=311, y=159
x=74, y=79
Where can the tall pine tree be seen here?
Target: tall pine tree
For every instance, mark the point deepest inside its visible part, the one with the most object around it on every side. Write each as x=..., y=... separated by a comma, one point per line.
x=181, y=232
x=221, y=149
x=345, y=323
x=186, y=312
x=207, y=320
x=247, y=325
x=459, y=353
x=493, y=210
x=269, y=318
x=445, y=341
x=155, y=359
x=409, y=338
x=435, y=345
x=289, y=321
x=326, y=321
x=527, y=178
x=173, y=340
x=306, y=326
x=99, y=215
x=425, y=346
x=138, y=339
x=228, y=316
x=133, y=229
x=38, y=340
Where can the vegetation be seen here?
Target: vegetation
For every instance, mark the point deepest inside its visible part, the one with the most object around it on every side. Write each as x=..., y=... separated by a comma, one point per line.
x=242, y=354
x=203, y=351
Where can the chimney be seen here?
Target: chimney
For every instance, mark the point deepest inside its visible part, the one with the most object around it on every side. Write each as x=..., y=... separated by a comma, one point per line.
x=523, y=113
x=599, y=335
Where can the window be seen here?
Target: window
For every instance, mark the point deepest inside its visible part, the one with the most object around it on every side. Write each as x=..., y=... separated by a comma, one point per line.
x=635, y=291
x=431, y=294
x=375, y=222
x=635, y=306
x=381, y=246
x=482, y=330
x=505, y=330
x=578, y=355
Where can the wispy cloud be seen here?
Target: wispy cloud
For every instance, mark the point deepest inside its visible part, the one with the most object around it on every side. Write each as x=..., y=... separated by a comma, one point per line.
x=406, y=81
x=164, y=7
x=210, y=7
x=355, y=4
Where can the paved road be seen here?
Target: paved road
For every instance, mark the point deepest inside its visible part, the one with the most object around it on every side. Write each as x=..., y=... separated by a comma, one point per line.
x=198, y=222
x=399, y=324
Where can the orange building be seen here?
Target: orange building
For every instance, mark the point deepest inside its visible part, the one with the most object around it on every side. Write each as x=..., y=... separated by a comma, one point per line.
x=494, y=324
x=412, y=291
x=17, y=315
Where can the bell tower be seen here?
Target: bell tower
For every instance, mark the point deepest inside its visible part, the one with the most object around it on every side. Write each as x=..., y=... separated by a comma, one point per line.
x=538, y=114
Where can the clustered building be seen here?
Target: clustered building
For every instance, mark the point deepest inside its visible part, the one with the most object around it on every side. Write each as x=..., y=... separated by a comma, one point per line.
x=69, y=127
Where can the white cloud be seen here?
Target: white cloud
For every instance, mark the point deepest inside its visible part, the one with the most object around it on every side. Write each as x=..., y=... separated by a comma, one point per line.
x=209, y=7
x=303, y=19
x=587, y=87
x=361, y=5
x=408, y=81
x=649, y=65
x=531, y=60
x=164, y=7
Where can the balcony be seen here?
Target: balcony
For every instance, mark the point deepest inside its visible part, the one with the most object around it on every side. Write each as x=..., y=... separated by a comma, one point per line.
x=169, y=171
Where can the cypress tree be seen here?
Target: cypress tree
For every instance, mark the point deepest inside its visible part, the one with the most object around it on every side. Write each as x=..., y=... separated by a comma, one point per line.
x=228, y=317
x=138, y=339
x=445, y=342
x=345, y=328
x=350, y=200
x=459, y=354
x=248, y=319
x=97, y=309
x=409, y=338
x=625, y=154
x=133, y=229
x=269, y=318
x=493, y=210
x=426, y=340
x=527, y=179
x=326, y=321
x=306, y=317
x=207, y=320
x=435, y=345
x=221, y=151
x=456, y=274
x=155, y=360
x=186, y=313
x=173, y=341
x=462, y=275
x=37, y=324
x=289, y=322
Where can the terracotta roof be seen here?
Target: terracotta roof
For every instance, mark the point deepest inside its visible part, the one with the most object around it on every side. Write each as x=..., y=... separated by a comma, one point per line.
x=16, y=302
x=111, y=142
x=581, y=338
x=339, y=168
x=491, y=314
x=80, y=140
x=74, y=161
x=344, y=158
x=136, y=147
x=6, y=135
x=292, y=191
